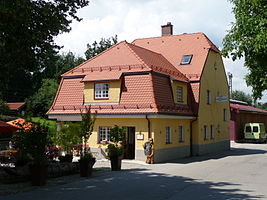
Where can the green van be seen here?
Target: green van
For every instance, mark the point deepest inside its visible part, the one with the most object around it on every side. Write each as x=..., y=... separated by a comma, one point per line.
x=255, y=131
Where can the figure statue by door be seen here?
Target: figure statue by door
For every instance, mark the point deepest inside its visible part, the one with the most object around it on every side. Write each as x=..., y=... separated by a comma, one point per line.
x=149, y=151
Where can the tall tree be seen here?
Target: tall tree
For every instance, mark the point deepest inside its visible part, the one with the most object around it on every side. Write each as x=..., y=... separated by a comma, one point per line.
x=96, y=48
x=41, y=101
x=248, y=38
x=57, y=64
x=242, y=96
x=27, y=31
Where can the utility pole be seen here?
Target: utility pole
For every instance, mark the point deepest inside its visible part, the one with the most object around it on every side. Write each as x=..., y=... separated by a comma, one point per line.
x=230, y=77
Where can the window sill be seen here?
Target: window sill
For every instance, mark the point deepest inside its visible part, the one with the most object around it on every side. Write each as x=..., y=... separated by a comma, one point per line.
x=182, y=141
x=101, y=98
x=168, y=143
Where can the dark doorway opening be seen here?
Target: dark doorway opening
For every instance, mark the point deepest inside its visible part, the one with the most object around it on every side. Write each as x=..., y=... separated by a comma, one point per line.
x=129, y=150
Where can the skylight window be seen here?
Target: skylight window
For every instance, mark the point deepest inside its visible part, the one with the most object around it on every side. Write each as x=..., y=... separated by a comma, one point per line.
x=186, y=59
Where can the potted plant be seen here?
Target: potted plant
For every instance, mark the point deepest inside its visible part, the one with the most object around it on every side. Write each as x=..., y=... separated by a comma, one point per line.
x=87, y=162
x=32, y=142
x=115, y=148
x=86, y=158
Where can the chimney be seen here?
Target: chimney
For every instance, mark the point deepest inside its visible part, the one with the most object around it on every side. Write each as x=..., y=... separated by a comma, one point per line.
x=166, y=29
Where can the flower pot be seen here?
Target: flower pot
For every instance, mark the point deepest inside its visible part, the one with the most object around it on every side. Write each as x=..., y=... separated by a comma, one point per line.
x=115, y=163
x=86, y=167
x=39, y=174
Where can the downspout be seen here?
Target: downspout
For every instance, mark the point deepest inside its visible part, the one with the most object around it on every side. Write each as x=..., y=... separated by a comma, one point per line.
x=191, y=136
x=148, y=127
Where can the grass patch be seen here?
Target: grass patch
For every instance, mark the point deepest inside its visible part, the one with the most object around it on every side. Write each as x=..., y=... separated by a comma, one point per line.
x=52, y=125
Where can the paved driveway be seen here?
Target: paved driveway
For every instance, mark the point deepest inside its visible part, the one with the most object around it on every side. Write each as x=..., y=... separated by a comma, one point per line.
x=237, y=174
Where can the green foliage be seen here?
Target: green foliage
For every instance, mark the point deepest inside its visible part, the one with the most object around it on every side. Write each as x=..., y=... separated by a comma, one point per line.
x=96, y=48
x=242, y=96
x=58, y=64
x=68, y=136
x=262, y=106
x=4, y=112
x=248, y=38
x=32, y=142
x=114, y=150
x=27, y=32
x=117, y=135
x=87, y=126
x=41, y=101
x=51, y=124
x=87, y=156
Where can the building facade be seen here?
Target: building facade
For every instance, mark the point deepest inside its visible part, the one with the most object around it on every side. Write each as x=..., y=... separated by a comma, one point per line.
x=171, y=88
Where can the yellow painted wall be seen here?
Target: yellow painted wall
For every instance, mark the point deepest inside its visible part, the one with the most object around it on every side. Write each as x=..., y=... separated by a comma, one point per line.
x=114, y=92
x=174, y=91
x=139, y=124
x=158, y=128
x=214, y=80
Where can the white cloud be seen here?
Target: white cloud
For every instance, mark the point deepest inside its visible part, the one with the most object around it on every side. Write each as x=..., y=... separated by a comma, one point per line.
x=131, y=19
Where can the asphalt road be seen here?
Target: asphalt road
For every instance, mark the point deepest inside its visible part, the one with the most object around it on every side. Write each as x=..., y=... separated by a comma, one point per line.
x=237, y=174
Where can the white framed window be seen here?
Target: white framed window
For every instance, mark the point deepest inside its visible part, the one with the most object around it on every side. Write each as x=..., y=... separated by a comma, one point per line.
x=212, y=136
x=206, y=133
x=104, y=133
x=186, y=59
x=179, y=91
x=224, y=114
x=181, y=133
x=208, y=97
x=101, y=91
x=168, y=135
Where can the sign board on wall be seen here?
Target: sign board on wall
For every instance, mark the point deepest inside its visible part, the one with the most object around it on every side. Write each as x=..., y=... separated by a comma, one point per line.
x=222, y=99
x=140, y=136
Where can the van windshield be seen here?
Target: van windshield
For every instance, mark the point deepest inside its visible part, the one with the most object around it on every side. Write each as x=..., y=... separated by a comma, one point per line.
x=255, y=129
x=248, y=129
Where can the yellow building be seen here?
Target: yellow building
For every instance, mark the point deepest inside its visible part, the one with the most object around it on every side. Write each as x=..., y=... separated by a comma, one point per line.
x=171, y=88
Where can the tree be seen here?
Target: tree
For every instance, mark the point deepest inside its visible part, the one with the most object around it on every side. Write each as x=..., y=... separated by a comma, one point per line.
x=27, y=32
x=57, y=64
x=96, y=48
x=68, y=136
x=263, y=105
x=87, y=126
x=242, y=96
x=41, y=101
x=248, y=38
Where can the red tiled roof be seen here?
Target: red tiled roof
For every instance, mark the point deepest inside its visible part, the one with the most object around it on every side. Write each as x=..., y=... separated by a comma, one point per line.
x=15, y=106
x=126, y=57
x=141, y=93
x=247, y=108
x=102, y=75
x=153, y=62
x=195, y=89
x=173, y=48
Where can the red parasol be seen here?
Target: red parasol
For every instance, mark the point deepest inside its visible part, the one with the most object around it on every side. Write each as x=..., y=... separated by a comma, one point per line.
x=5, y=127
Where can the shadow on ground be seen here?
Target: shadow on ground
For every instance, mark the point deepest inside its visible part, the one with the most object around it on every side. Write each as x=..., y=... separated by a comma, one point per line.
x=139, y=184
x=232, y=152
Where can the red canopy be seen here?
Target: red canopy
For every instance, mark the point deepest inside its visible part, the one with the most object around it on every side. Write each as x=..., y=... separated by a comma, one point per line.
x=5, y=127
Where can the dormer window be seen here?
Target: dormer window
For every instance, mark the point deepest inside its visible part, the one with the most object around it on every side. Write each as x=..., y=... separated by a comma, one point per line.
x=101, y=91
x=186, y=59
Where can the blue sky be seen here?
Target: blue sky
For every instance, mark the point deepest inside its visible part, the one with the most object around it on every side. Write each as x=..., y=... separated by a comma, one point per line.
x=131, y=19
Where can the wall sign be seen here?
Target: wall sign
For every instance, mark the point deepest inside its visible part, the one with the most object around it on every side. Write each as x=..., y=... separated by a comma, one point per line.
x=140, y=136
